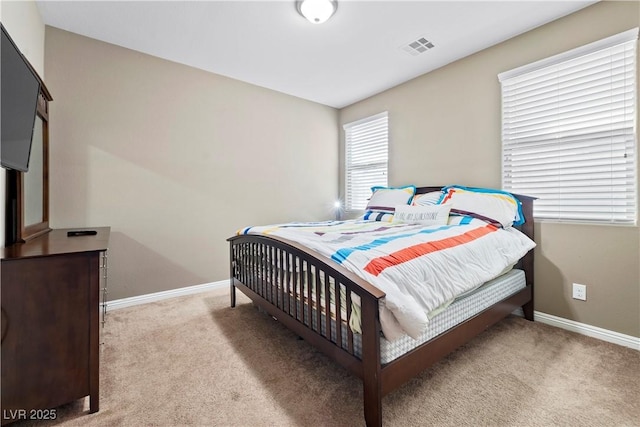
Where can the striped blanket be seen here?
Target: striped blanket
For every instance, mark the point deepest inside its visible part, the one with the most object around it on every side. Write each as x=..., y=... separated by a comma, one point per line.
x=420, y=268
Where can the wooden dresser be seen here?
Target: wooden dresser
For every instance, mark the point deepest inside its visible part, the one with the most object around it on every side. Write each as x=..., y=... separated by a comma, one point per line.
x=50, y=323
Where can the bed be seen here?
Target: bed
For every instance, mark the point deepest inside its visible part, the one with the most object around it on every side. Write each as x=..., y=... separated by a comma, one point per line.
x=334, y=308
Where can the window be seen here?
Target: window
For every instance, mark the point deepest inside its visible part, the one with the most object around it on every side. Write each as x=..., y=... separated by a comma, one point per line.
x=366, y=159
x=569, y=132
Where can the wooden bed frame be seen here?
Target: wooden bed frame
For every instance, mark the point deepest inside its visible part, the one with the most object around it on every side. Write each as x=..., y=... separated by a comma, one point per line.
x=273, y=272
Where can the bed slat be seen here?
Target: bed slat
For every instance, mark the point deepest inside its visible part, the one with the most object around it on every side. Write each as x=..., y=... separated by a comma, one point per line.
x=327, y=308
x=338, y=299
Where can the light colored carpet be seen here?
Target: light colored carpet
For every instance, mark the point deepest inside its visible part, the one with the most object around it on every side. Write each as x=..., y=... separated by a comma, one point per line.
x=194, y=361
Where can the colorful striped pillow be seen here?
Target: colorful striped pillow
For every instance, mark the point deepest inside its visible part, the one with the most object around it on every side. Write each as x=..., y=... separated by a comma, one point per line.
x=377, y=216
x=490, y=205
x=426, y=199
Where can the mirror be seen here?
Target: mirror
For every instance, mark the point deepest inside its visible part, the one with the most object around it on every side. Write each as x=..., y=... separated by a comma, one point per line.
x=33, y=180
x=32, y=188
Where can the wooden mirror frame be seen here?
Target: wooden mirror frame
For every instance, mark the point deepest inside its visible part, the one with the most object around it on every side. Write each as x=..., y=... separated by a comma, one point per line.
x=16, y=230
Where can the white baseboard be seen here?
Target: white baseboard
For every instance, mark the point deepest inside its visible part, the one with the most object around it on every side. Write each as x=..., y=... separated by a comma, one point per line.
x=159, y=296
x=588, y=330
x=570, y=325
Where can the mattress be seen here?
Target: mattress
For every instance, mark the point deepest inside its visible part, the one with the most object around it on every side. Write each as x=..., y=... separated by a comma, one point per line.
x=458, y=311
x=418, y=267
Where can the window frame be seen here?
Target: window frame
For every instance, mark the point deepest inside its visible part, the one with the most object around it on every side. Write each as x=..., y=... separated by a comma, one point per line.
x=349, y=190
x=564, y=211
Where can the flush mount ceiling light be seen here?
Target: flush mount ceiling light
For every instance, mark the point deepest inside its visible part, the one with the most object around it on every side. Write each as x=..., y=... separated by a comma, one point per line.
x=317, y=11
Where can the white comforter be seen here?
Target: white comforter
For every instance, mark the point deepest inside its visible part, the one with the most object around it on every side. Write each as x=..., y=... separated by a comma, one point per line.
x=420, y=268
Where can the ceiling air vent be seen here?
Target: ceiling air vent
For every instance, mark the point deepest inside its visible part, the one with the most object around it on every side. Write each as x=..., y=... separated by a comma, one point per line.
x=417, y=47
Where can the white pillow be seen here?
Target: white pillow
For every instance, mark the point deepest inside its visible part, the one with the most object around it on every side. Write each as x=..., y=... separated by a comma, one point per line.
x=384, y=199
x=425, y=215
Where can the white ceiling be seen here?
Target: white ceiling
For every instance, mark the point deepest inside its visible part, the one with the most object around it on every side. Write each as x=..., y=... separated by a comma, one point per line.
x=354, y=55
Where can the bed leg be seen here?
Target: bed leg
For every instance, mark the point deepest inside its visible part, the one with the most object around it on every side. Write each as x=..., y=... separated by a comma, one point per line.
x=371, y=363
x=232, y=292
x=372, y=408
x=232, y=265
x=527, y=309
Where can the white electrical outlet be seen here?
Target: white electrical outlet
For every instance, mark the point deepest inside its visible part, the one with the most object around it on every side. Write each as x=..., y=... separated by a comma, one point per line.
x=579, y=291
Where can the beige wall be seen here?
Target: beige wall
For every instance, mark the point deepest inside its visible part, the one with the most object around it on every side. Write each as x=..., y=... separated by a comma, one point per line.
x=176, y=159
x=445, y=128
x=24, y=24
x=163, y=154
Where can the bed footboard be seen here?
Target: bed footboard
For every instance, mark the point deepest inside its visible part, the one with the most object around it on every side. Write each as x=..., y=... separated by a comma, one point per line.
x=314, y=297
x=317, y=300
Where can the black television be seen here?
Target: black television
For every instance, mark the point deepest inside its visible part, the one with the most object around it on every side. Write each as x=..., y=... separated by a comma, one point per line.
x=19, y=91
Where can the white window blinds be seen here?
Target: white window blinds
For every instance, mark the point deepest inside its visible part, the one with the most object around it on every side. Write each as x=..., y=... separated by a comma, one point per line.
x=569, y=132
x=366, y=158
